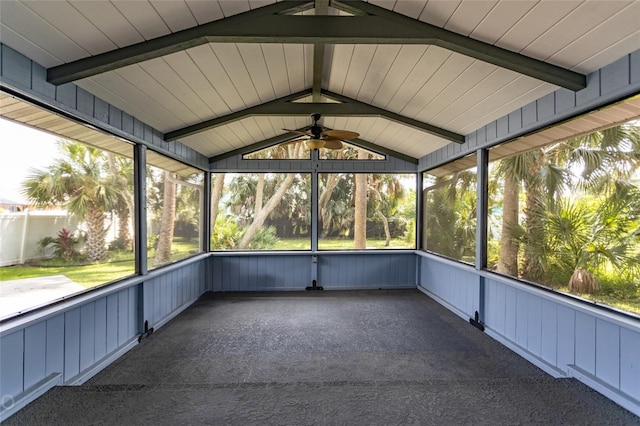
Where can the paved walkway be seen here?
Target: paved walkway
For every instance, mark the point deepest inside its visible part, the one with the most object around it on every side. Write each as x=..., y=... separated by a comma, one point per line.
x=28, y=293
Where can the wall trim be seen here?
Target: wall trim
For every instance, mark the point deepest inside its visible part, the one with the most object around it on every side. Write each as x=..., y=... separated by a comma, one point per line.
x=20, y=401
x=102, y=364
x=550, y=369
x=443, y=302
x=598, y=385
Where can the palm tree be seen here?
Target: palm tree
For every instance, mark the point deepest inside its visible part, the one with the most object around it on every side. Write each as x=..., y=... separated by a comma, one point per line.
x=360, y=203
x=121, y=170
x=80, y=182
x=167, y=221
x=596, y=164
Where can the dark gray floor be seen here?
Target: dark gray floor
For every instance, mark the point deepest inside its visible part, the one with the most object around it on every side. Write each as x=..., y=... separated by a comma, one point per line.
x=332, y=358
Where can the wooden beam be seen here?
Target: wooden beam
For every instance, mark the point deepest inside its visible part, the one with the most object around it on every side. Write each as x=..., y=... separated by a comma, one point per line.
x=286, y=107
x=269, y=25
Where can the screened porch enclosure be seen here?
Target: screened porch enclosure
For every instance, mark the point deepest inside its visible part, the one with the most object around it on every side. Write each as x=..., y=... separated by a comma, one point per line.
x=207, y=157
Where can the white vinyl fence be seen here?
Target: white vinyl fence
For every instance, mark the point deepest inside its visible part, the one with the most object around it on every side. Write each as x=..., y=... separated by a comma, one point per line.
x=21, y=231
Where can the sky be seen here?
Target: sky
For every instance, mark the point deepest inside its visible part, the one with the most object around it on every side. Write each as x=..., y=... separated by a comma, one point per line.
x=27, y=148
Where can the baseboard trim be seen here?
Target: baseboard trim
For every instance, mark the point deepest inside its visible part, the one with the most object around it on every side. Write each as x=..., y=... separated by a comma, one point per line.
x=102, y=364
x=444, y=303
x=548, y=368
x=605, y=389
x=12, y=405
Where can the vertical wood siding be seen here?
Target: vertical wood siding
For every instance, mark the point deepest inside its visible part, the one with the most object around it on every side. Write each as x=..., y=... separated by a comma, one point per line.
x=564, y=334
x=264, y=272
x=551, y=330
x=169, y=292
x=366, y=271
x=458, y=286
x=74, y=342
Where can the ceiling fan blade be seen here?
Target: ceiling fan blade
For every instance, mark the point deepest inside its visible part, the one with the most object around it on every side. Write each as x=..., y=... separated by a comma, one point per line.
x=299, y=132
x=341, y=134
x=332, y=144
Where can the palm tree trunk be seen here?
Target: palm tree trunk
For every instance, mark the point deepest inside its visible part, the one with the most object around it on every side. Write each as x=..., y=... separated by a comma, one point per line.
x=323, y=200
x=167, y=222
x=96, y=233
x=216, y=194
x=533, y=262
x=360, y=222
x=508, y=258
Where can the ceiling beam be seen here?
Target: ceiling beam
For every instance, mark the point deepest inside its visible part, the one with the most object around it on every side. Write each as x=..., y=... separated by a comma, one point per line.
x=322, y=8
x=269, y=24
x=400, y=119
x=255, y=146
x=267, y=108
x=223, y=30
x=286, y=107
x=382, y=150
x=288, y=136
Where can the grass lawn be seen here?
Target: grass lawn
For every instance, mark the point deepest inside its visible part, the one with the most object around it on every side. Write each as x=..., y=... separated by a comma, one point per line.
x=120, y=265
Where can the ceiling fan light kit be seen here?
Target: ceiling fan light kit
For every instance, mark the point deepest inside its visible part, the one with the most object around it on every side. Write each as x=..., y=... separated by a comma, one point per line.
x=315, y=143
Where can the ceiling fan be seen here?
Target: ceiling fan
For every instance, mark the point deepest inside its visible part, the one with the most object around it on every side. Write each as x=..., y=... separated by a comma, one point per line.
x=316, y=136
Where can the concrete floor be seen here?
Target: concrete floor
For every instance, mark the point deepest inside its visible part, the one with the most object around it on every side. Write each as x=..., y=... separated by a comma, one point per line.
x=328, y=358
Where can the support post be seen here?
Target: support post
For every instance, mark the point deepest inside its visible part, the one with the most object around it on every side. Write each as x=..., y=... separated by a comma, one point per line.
x=205, y=214
x=140, y=225
x=482, y=182
x=314, y=220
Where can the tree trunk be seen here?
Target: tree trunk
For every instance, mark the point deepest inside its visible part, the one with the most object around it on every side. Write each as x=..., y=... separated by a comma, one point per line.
x=167, y=222
x=387, y=233
x=532, y=265
x=216, y=194
x=261, y=216
x=259, y=194
x=125, y=205
x=96, y=233
x=124, y=232
x=508, y=258
x=360, y=222
x=582, y=281
x=323, y=200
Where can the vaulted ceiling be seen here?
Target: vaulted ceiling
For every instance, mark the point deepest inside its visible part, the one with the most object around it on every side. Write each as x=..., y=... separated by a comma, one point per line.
x=409, y=75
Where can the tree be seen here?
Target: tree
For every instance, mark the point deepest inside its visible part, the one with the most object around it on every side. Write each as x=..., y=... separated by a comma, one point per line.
x=121, y=170
x=167, y=222
x=360, y=202
x=80, y=182
x=596, y=164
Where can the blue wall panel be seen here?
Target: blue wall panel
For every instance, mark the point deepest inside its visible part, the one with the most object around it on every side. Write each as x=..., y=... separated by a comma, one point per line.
x=55, y=345
x=12, y=365
x=607, y=352
x=77, y=342
x=87, y=336
x=264, y=272
x=71, y=344
x=100, y=327
x=560, y=335
x=459, y=286
x=630, y=362
x=350, y=271
x=35, y=349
